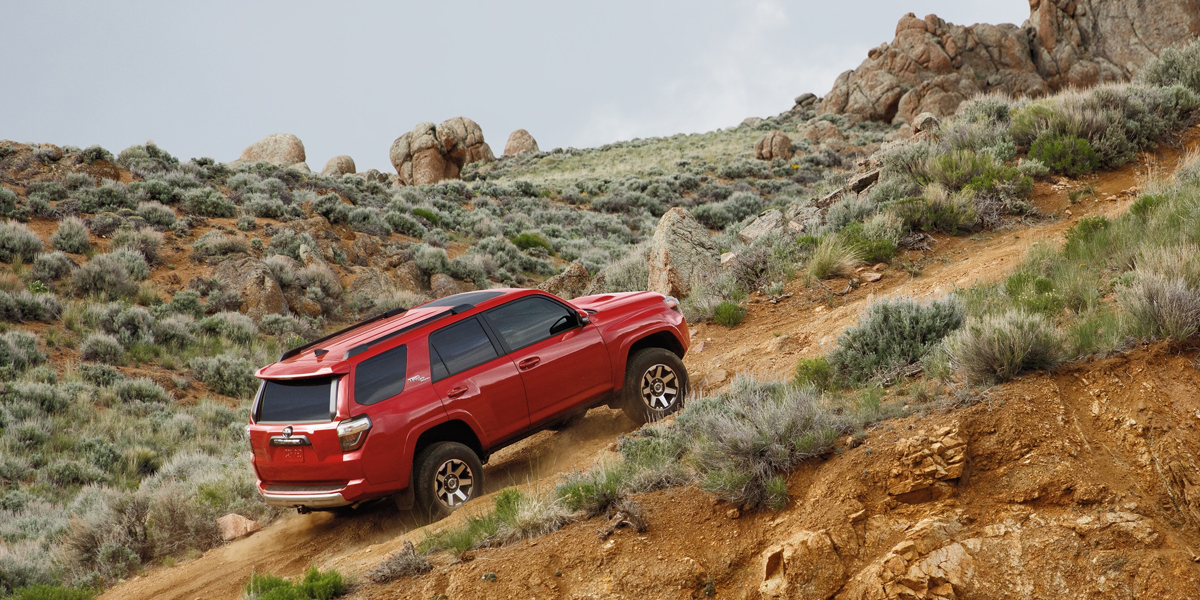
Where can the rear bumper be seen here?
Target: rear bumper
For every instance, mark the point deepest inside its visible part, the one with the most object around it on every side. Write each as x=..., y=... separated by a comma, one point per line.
x=315, y=496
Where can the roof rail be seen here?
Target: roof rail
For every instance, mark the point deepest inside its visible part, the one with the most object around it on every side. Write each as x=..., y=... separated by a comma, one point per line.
x=300, y=349
x=363, y=347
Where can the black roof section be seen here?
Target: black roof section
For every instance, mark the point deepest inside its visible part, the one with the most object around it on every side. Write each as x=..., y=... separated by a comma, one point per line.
x=300, y=349
x=471, y=298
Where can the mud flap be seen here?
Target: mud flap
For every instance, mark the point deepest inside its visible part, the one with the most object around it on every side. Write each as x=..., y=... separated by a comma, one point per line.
x=406, y=499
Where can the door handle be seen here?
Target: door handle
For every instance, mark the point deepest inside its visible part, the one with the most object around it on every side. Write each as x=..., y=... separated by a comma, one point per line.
x=456, y=392
x=529, y=363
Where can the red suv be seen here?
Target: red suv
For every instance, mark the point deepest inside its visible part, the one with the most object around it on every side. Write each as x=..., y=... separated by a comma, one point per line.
x=411, y=403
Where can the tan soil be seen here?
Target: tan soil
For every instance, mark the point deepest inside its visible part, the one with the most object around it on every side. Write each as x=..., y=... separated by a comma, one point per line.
x=1077, y=484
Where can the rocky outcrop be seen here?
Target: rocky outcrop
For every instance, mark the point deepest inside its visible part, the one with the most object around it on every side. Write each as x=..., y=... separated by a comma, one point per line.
x=682, y=254
x=252, y=281
x=805, y=567
x=928, y=466
x=442, y=285
x=773, y=145
x=432, y=153
x=281, y=150
x=572, y=282
x=767, y=222
x=338, y=166
x=933, y=66
x=520, y=142
x=470, y=134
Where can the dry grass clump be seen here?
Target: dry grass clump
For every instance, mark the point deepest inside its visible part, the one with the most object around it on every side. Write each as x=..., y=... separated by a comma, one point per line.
x=402, y=563
x=999, y=348
x=834, y=257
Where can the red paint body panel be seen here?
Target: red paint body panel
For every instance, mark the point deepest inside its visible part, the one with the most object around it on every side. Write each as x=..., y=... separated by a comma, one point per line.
x=503, y=400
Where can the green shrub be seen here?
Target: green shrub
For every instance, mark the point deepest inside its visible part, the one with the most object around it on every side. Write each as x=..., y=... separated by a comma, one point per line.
x=427, y=215
x=955, y=169
x=51, y=592
x=226, y=374
x=175, y=330
x=332, y=208
x=404, y=224
x=288, y=243
x=527, y=241
x=729, y=314
x=892, y=335
x=184, y=302
x=132, y=262
x=17, y=241
x=998, y=348
x=104, y=224
x=19, y=349
x=815, y=372
x=316, y=585
x=1064, y=153
x=208, y=202
x=938, y=211
x=147, y=159
x=869, y=250
x=72, y=472
x=102, y=348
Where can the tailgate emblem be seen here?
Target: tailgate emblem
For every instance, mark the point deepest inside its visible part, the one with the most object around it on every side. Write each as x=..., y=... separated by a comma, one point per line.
x=287, y=431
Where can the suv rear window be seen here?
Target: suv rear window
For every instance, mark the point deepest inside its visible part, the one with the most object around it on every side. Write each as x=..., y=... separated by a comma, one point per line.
x=380, y=377
x=298, y=400
x=459, y=347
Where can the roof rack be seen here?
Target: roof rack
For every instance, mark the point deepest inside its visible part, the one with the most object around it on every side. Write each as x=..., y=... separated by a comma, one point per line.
x=300, y=349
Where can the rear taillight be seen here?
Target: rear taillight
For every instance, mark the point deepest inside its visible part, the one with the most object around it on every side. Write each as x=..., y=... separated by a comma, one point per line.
x=352, y=432
x=672, y=303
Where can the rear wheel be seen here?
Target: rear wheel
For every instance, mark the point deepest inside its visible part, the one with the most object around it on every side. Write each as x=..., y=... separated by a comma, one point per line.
x=446, y=476
x=656, y=383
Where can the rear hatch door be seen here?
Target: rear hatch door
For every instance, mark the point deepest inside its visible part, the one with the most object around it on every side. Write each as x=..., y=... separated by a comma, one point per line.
x=294, y=436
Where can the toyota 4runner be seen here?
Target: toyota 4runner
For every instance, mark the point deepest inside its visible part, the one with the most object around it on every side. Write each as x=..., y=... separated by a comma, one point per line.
x=411, y=403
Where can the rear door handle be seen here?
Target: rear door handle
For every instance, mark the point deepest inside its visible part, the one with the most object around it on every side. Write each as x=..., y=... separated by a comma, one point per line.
x=529, y=363
x=456, y=392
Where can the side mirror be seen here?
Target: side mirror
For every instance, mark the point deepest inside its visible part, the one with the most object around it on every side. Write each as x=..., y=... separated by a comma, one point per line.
x=583, y=318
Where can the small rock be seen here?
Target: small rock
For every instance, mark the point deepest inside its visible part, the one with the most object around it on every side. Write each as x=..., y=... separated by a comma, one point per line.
x=733, y=513
x=728, y=258
x=862, y=181
x=767, y=222
x=234, y=526
x=926, y=122
x=871, y=277
x=698, y=348
x=716, y=378
x=879, y=267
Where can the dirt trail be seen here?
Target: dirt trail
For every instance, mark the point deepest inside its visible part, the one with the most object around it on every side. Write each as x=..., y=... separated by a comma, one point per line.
x=296, y=542
x=1028, y=472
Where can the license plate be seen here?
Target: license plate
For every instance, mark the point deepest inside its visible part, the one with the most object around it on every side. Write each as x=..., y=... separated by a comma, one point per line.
x=291, y=455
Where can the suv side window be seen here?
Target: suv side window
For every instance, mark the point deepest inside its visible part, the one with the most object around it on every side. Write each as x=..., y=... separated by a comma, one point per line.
x=380, y=377
x=530, y=320
x=459, y=347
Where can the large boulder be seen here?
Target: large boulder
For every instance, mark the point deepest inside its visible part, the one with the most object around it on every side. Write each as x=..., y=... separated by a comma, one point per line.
x=252, y=281
x=280, y=149
x=338, y=166
x=234, y=526
x=806, y=566
x=933, y=66
x=520, y=142
x=774, y=145
x=682, y=254
x=432, y=153
x=572, y=282
x=471, y=135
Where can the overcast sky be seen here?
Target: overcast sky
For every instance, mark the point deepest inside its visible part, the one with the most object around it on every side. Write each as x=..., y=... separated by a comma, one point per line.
x=209, y=78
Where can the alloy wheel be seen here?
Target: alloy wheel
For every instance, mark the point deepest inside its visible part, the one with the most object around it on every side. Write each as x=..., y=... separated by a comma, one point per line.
x=660, y=387
x=454, y=483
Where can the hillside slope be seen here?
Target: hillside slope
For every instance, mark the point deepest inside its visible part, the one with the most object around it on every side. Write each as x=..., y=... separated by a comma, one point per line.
x=1084, y=474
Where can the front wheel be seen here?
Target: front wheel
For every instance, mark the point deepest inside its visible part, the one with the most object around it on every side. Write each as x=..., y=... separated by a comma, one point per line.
x=446, y=476
x=656, y=383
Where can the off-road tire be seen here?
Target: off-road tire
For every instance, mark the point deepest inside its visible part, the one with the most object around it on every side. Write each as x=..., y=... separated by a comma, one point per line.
x=439, y=472
x=656, y=384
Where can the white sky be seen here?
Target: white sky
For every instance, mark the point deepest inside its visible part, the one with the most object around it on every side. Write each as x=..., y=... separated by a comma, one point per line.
x=209, y=78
